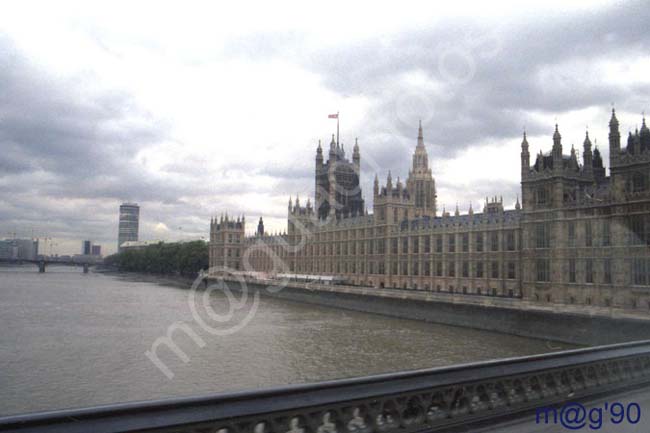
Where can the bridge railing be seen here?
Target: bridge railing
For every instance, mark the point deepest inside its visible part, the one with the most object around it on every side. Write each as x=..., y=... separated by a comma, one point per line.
x=423, y=400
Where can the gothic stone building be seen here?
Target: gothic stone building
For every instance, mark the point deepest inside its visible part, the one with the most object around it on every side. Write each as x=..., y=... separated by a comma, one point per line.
x=578, y=237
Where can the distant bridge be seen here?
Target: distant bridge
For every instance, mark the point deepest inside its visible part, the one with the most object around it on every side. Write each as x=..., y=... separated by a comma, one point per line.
x=44, y=262
x=503, y=395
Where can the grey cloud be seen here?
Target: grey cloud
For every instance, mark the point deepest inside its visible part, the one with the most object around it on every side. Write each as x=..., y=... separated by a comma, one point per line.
x=508, y=64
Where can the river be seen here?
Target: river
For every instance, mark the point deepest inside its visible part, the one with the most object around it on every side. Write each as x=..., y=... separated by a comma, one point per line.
x=72, y=340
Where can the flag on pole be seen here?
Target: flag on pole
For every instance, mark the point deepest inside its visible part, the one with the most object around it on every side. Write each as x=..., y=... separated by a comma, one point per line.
x=333, y=116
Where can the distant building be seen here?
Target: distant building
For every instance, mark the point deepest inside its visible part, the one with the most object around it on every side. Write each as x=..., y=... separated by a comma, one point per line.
x=6, y=249
x=19, y=249
x=96, y=250
x=129, y=224
x=86, y=247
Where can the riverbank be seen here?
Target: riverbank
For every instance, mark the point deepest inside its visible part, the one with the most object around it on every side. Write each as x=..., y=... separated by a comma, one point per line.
x=504, y=315
x=164, y=279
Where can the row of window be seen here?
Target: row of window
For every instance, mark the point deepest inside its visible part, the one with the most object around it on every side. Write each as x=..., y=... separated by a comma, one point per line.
x=418, y=244
x=640, y=268
x=637, y=232
x=478, y=270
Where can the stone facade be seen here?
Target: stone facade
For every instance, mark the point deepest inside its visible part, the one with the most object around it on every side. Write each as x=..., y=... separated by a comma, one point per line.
x=578, y=237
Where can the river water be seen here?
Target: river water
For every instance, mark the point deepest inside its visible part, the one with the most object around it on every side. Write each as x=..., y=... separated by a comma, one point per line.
x=71, y=340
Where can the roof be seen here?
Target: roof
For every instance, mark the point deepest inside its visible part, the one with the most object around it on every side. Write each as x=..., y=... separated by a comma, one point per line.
x=508, y=216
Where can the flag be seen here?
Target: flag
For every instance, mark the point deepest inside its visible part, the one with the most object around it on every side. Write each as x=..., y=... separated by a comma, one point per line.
x=333, y=116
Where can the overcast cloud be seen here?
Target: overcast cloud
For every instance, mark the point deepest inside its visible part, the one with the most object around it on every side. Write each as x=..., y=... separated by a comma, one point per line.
x=196, y=110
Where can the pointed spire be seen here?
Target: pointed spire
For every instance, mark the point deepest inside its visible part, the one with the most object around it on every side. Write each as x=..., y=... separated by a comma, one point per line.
x=557, y=149
x=389, y=181
x=613, y=121
x=290, y=203
x=471, y=211
x=333, y=144
x=456, y=212
x=420, y=135
x=524, y=142
x=375, y=186
x=556, y=134
x=319, y=149
x=517, y=205
x=356, y=145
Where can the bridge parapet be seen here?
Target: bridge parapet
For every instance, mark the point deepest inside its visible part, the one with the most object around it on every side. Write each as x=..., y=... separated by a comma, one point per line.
x=425, y=400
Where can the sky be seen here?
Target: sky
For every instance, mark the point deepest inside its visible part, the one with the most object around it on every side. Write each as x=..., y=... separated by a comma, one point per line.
x=193, y=109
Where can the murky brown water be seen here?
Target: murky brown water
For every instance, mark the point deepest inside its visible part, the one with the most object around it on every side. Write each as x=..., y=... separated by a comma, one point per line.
x=74, y=340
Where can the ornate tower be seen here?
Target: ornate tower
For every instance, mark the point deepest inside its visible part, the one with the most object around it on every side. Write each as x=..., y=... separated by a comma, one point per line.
x=525, y=157
x=420, y=182
x=260, y=228
x=614, y=139
x=557, y=149
x=356, y=157
x=338, y=190
x=587, y=156
x=226, y=245
x=319, y=187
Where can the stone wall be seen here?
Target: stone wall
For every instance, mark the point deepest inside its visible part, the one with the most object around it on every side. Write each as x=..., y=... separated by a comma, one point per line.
x=569, y=328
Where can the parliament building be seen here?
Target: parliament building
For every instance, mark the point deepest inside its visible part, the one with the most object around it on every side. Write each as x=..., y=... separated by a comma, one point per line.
x=577, y=237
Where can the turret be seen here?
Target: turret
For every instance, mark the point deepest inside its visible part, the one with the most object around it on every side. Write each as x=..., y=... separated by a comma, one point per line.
x=333, y=148
x=375, y=188
x=644, y=136
x=319, y=156
x=389, y=183
x=598, y=167
x=557, y=149
x=517, y=205
x=587, y=156
x=525, y=157
x=573, y=161
x=356, y=157
x=614, y=138
x=260, y=227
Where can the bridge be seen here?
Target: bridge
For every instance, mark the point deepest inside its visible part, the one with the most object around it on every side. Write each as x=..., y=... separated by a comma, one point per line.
x=500, y=395
x=43, y=262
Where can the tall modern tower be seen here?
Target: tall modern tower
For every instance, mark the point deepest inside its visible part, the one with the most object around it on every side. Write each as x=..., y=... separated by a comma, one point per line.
x=129, y=223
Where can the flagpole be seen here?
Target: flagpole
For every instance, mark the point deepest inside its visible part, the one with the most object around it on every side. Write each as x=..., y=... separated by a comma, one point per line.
x=337, y=129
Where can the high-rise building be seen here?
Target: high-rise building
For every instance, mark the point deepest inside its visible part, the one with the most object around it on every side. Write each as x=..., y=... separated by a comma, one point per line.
x=129, y=223
x=96, y=250
x=86, y=247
